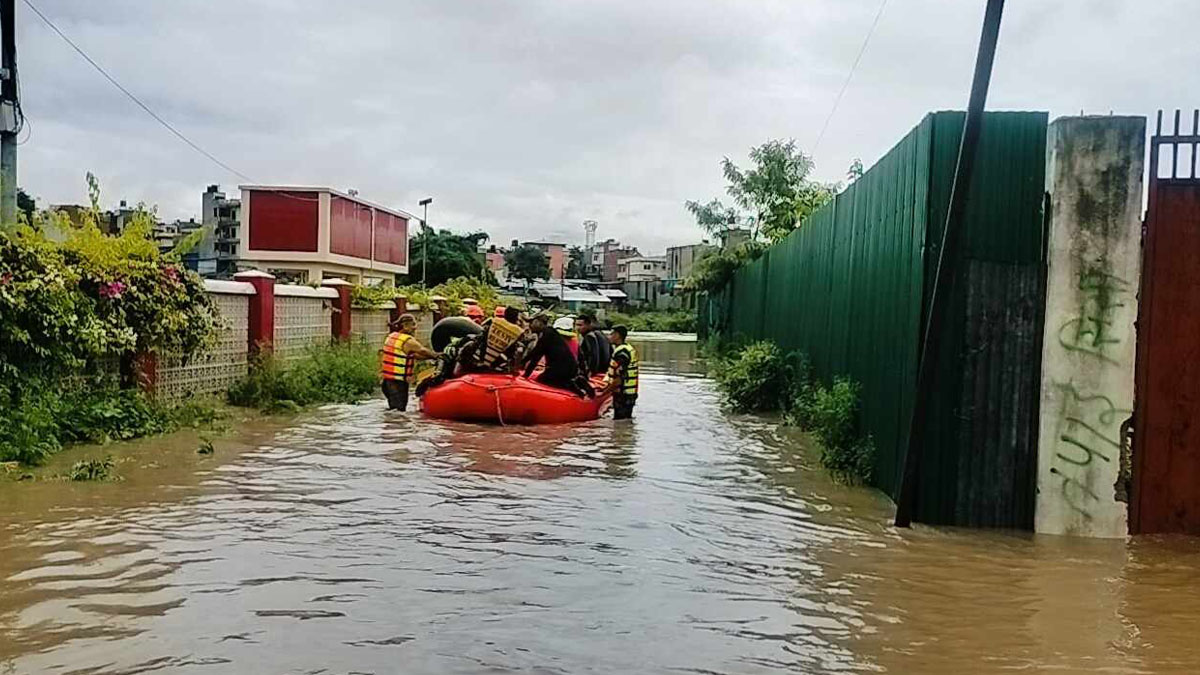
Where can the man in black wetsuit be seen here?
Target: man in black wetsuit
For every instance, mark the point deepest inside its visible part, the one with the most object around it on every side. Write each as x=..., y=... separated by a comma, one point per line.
x=561, y=367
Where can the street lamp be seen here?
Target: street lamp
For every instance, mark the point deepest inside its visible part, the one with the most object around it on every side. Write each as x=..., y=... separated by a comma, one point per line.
x=424, y=203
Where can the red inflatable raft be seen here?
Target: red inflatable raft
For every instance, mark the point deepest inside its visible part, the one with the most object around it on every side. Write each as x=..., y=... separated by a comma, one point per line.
x=495, y=397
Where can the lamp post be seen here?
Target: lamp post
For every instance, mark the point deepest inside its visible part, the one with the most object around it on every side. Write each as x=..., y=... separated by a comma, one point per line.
x=424, y=203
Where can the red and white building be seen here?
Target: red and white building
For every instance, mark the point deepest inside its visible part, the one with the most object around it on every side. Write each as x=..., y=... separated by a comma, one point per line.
x=308, y=234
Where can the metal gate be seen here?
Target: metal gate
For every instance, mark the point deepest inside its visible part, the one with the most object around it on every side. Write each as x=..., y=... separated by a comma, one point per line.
x=1166, y=443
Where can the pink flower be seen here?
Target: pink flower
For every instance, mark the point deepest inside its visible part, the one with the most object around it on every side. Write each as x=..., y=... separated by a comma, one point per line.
x=112, y=290
x=6, y=278
x=171, y=273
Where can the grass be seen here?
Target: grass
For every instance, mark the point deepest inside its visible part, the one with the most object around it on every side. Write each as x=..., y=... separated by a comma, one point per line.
x=38, y=419
x=336, y=373
x=655, y=321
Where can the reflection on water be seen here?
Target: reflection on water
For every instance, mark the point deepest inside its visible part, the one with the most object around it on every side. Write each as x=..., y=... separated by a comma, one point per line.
x=690, y=540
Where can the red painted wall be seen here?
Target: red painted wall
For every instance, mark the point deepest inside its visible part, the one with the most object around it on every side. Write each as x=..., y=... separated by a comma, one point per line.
x=349, y=228
x=391, y=238
x=283, y=221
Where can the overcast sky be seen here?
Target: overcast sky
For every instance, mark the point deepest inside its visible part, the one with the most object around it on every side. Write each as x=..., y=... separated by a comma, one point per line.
x=523, y=118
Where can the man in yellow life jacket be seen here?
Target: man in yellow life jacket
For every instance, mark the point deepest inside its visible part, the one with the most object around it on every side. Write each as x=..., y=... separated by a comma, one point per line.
x=622, y=377
x=496, y=348
x=401, y=351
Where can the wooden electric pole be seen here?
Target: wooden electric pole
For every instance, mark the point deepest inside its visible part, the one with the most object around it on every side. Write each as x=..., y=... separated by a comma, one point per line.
x=9, y=114
x=948, y=264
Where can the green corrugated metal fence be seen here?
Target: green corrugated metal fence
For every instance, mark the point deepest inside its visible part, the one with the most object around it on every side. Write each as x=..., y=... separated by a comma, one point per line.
x=849, y=288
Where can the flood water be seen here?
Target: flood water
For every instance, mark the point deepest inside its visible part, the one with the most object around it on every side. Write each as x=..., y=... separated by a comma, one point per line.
x=354, y=540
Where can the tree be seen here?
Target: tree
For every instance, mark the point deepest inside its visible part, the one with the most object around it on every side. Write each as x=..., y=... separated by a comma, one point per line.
x=713, y=217
x=776, y=188
x=855, y=172
x=527, y=262
x=576, y=262
x=26, y=205
x=450, y=256
x=775, y=191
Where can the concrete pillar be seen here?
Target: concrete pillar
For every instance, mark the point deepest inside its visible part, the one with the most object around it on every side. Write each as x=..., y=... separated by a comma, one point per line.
x=145, y=371
x=1094, y=177
x=340, y=318
x=401, y=306
x=260, y=324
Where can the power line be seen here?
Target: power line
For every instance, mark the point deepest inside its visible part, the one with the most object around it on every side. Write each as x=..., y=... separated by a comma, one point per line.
x=862, y=50
x=133, y=98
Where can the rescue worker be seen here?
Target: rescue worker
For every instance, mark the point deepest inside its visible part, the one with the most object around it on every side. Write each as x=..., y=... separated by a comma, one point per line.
x=595, y=352
x=561, y=368
x=475, y=313
x=401, y=351
x=497, y=348
x=565, y=326
x=622, y=378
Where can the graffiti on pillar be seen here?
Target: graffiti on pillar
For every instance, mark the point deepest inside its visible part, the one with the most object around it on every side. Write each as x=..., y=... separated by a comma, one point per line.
x=1089, y=422
x=1091, y=332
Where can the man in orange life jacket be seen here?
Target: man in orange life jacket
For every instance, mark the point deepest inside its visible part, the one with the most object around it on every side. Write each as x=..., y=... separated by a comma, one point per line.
x=401, y=351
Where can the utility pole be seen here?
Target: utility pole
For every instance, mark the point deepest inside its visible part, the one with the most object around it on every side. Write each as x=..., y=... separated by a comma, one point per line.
x=425, y=237
x=948, y=263
x=8, y=114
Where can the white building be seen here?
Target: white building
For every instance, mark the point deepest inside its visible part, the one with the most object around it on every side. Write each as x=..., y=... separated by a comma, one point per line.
x=642, y=268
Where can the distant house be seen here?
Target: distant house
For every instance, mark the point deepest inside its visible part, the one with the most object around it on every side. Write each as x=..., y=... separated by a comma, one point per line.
x=642, y=268
x=221, y=247
x=309, y=234
x=556, y=255
x=681, y=259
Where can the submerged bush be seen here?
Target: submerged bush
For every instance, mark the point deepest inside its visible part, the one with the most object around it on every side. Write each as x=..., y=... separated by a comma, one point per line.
x=92, y=469
x=337, y=373
x=760, y=377
x=757, y=379
x=831, y=414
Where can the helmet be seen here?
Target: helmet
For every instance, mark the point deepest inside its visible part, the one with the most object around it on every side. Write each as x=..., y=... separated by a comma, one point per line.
x=564, y=324
x=499, y=311
x=475, y=313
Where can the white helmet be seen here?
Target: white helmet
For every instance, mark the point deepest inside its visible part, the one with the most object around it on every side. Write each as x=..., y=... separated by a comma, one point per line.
x=564, y=323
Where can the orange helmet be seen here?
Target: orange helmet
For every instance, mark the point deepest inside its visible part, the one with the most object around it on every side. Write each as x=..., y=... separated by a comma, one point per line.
x=499, y=311
x=475, y=313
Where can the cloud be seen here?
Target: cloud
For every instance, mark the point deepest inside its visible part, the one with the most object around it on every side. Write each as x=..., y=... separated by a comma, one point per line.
x=525, y=117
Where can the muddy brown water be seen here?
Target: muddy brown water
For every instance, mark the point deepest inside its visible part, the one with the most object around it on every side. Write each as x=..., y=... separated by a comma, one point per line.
x=354, y=540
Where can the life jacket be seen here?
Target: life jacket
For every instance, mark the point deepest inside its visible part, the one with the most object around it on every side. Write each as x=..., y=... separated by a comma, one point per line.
x=501, y=335
x=629, y=386
x=397, y=365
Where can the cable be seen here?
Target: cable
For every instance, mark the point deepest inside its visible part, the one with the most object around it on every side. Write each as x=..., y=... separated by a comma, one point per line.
x=133, y=98
x=862, y=50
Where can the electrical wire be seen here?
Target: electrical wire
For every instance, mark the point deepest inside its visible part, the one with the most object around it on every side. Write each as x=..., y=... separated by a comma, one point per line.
x=845, y=85
x=133, y=98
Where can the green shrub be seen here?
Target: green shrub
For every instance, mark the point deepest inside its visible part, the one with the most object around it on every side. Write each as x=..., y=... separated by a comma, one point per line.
x=831, y=414
x=757, y=379
x=108, y=413
x=760, y=377
x=29, y=427
x=338, y=373
x=92, y=469
x=38, y=420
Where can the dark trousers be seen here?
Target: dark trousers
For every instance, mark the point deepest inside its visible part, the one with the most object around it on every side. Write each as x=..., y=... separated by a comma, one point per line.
x=623, y=407
x=396, y=392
